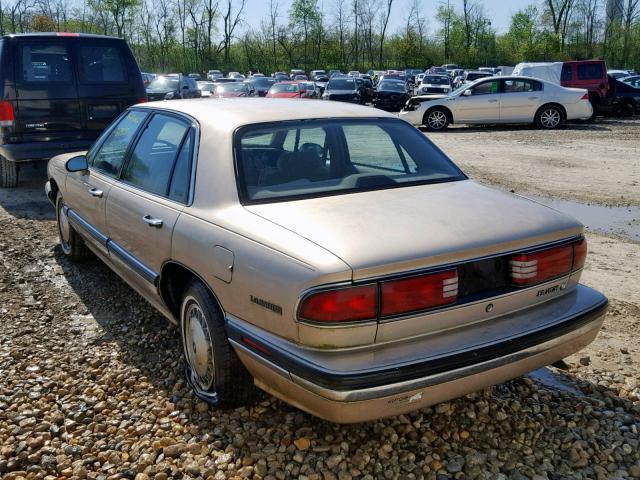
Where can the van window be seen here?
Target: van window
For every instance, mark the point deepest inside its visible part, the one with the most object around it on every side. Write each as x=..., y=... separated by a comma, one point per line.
x=567, y=74
x=590, y=71
x=45, y=63
x=101, y=64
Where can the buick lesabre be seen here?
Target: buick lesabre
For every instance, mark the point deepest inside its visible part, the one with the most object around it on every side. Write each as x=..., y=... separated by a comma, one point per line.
x=328, y=253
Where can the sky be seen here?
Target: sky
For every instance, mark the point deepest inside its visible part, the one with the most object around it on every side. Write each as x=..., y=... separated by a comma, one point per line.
x=499, y=11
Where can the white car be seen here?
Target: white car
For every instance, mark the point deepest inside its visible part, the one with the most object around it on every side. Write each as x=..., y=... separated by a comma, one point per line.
x=434, y=85
x=500, y=100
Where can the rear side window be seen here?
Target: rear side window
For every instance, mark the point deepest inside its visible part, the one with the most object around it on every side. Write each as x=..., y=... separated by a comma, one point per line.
x=590, y=71
x=518, y=86
x=101, y=64
x=153, y=158
x=44, y=62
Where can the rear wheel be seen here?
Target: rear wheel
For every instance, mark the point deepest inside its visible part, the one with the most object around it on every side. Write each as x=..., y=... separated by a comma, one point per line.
x=72, y=244
x=436, y=119
x=213, y=369
x=549, y=117
x=8, y=173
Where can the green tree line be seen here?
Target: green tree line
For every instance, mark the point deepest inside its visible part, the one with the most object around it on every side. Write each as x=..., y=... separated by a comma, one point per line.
x=197, y=35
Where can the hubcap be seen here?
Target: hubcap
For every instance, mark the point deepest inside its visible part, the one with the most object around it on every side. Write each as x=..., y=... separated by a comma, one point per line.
x=550, y=118
x=198, y=348
x=437, y=120
x=63, y=226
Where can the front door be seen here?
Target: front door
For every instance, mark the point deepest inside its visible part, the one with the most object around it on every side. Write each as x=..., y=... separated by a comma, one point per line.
x=482, y=106
x=87, y=192
x=144, y=205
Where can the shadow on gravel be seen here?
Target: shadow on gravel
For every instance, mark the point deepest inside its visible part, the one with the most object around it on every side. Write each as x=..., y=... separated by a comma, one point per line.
x=28, y=199
x=518, y=128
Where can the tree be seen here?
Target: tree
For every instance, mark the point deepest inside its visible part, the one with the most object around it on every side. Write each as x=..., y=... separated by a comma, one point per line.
x=385, y=21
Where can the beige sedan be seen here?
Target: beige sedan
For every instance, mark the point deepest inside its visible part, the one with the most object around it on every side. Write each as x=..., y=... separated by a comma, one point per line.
x=328, y=253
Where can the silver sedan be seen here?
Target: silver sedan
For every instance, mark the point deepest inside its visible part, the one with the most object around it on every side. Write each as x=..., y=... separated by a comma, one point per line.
x=500, y=100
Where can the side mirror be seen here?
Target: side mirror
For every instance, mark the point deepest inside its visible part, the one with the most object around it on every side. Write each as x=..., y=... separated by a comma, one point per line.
x=467, y=93
x=77, y=164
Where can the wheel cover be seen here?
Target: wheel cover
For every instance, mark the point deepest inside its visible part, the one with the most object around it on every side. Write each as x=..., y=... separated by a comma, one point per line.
x=64, y=229
x=437, y=120
x=198, y=350
x=550, y=118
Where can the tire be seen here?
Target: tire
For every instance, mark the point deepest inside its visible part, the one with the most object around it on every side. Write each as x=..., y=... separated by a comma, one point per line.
x=436, y=119
x=214, y=371
x=71, y=242
x=549, y=117
x=8, y=173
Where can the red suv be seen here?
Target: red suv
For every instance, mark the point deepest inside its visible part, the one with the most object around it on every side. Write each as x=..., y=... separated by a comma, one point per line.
x=590, y=75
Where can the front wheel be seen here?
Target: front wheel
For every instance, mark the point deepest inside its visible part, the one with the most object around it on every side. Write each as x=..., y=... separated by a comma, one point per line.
x=436, y=119
x=8, y=173
x=549, y=118
x=72, y=244
x=213, y=369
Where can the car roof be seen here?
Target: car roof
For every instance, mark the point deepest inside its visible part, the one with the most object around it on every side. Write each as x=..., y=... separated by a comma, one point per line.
x=230, y=114
x=60, y=34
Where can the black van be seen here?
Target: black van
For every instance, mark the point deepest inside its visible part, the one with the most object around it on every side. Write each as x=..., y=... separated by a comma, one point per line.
x=58, y=91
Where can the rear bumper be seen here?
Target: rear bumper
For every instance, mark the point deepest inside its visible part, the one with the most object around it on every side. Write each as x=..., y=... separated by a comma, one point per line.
x=300, y=377
x=24, y=152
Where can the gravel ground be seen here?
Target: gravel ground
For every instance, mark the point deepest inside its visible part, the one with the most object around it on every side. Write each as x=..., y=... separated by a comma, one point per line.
x=92, y=384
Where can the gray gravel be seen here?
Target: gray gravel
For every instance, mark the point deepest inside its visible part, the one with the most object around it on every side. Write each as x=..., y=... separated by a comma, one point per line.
x=92, y=387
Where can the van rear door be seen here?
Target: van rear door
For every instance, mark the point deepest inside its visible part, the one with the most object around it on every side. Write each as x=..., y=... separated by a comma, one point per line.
x=109, y=81
x=47, y=97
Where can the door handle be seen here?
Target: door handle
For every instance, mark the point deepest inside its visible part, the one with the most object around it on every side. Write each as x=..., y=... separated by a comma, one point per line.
x=492, y=101
x=152, y=222
x=533, y=98
x=95, y=192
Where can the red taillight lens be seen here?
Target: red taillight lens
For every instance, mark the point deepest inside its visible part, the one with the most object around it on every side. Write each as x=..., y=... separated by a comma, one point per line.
x=419, y=293
x=6, y=114
x=143, y=100
x=344, y=305
x=585, y=96
x=67, y=34
x=579, y=254
x=537, y=267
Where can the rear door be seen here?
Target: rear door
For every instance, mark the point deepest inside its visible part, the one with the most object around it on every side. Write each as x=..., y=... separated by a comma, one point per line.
x=519, y=100
x=46, y=90
x=106, y=83
x=145, y=203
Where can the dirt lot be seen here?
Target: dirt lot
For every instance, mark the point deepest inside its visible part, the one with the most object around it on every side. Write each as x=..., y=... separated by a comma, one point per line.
x=92, y=377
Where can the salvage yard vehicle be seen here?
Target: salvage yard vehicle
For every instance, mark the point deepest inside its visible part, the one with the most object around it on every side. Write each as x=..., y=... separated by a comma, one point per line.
x=58, y=91
x=434, y=84
x=500, y=100
x=173, y=87
x=344, y=89
x=328, y=253
x=391, y=95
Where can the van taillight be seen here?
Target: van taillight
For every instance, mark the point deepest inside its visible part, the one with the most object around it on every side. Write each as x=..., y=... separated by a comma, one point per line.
x=350, y=304
x=537, y=267
x=419, y=293
x=6, y=114
x=143, y=100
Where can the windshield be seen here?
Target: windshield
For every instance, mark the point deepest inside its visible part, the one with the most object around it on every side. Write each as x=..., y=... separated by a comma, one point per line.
x=436, y=80
x=232, y=87
x=476, y=76
x=310, y=158
x=285, y=88
x=393, y=86
x=164, y=83
x=341, y=84
x=207, y=87
x=263, y=81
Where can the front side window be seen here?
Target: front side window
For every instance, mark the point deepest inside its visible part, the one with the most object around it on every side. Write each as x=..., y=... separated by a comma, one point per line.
x=45, y=63
x=108, y=159
x=152, y=160
x=101, y=64
x=310, y=158
x=486, y=88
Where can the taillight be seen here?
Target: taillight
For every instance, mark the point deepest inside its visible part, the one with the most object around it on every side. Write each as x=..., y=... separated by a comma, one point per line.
x=585, y=96
x=6, y=114
x=537, y=267
x=143, y=100
x=349, y=304
x=67, y=34
x=419, y=293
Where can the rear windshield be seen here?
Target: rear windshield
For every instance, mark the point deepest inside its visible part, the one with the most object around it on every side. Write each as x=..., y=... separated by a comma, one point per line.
x=101, y=64
x=263, y=81
x=341, y=84
x=301, y=159
x=45, y=62
x=232, y=87
x=394, y=86
x=164, y=83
